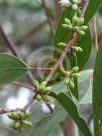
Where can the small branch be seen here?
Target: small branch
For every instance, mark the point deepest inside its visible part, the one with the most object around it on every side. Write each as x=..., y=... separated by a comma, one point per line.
x=95, y=32
x=85, y=5
x=9, y=42
x=18, y=84
x=61, y=59
x=47, y=16
x=3, y=110
x=41, y=69
x=27, y=105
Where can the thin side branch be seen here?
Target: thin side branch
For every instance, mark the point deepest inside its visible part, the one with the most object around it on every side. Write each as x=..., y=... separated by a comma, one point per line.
x=9, y=43
x=18, y=84
x=41, y=69
x=4, y=110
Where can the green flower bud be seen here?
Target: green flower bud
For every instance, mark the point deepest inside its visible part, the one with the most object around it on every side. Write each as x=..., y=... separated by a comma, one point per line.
x=74, y=7
x=38, y=97
x=27, y=123
x=81, y=21
x=81, y=32
x=74, y=48
x=45, y=98
x=75, y=70
x=48, y=89
x=71, y=84
x=75, y=75
x=42, y=88
x=67, y=73
x=43, y=83
x=67, y=21
x=67, y=26
x=76, y=28
x=66, y=4
x=66, y=81
x=36, y=84
x=75, y=20
x=12, y=116
x=62, y=44
x=75, y=1
x=70, y=27
x=64, y=25
x=26, y=115
x=80, y=49
x=17, y=125
x=84, y=28
x=20, y=115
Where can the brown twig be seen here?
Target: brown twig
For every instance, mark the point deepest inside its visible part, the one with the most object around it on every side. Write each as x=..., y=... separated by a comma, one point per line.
x=4, y=110
x=85, y=5
x=41, y=69
x=18, y=84
x=95, y=32
x=9, y=42
x=60, y=61
x=47, y=16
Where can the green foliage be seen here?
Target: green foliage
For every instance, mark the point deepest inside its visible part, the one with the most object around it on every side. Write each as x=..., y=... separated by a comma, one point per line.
x=50, y=125
x=72, y=110
x=97, y=94
x=11, y=68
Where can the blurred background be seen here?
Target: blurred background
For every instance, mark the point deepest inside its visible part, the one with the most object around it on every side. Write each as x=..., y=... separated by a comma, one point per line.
x=27, y=25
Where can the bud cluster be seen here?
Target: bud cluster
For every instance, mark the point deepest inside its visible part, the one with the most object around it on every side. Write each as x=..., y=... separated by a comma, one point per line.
x=70, y=76
x=42, y=91
x=76, y=49
x=76, y=24
x=70, y=4
x=19, y=120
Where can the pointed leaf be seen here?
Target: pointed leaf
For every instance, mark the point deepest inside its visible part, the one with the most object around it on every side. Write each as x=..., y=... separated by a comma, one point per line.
x=72, y=110
x=97, y=94
x=11, y=68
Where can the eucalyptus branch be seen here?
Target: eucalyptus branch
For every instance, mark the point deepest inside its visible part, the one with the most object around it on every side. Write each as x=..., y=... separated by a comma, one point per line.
x=68, y=45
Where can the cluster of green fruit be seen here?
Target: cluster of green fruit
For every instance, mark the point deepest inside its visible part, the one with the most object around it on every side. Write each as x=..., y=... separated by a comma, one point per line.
x=19, y=120
x=70, y=76
x=70, y=4
x=42, y=91
x=76, y=25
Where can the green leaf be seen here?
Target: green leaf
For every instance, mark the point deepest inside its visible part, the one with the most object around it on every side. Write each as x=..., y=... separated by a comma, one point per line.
x=91, y=9
x=50, y=125
x=59, y=87
x=11, y=68
x=85, y=87
x=97, y=94
x=72, y=110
